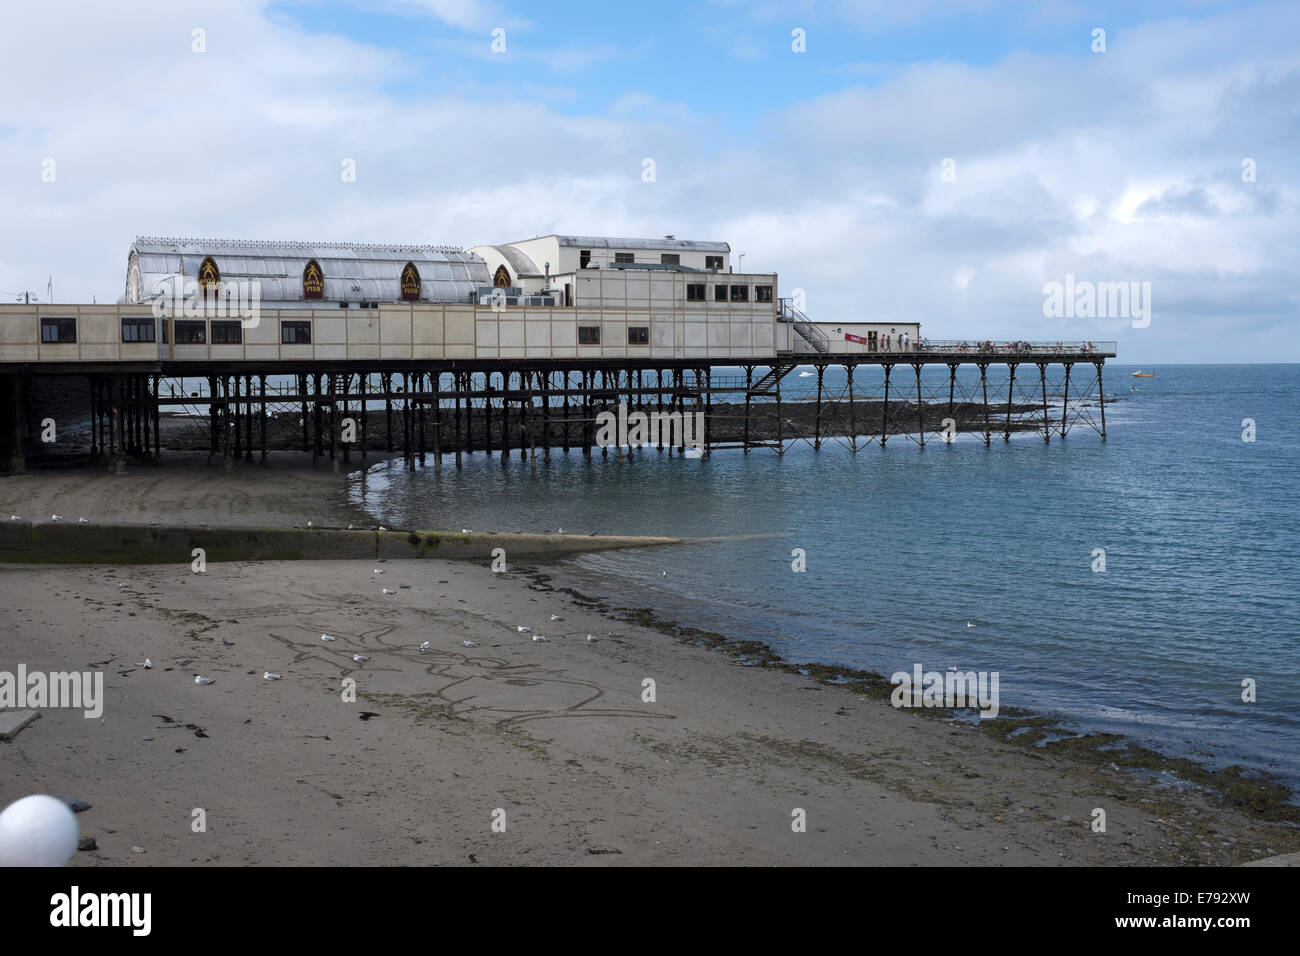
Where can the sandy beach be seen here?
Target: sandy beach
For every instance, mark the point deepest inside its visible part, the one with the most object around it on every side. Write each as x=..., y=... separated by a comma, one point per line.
x=554, y=737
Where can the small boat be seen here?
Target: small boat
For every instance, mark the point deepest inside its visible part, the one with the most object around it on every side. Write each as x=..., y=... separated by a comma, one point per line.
x=1141, y=374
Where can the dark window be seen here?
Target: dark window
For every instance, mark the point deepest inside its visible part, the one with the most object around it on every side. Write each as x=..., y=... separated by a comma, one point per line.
x=59, y=331
x=295, y=333
x=670, y=259
x=343, y=305
x=719, y=293
x=138, y=330
x=740, y=293
x=589, y=335
x=762, y=293
x=226, y=333
x=191, y=333
x=638, y=335
x=584, y=256
x=713, y=262
x=624, y=257
x=695, y=292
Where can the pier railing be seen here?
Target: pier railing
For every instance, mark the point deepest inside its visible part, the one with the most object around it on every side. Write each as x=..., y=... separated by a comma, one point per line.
x=989, y=347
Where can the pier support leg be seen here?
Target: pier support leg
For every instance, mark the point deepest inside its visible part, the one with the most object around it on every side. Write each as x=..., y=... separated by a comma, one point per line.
x=1065, y=402
x=849, y=370
x=984, y=386
x=1011, y=391
x=1042, y=377
x=817, y=418
x=884, y=413
x=1101, y=400
x=920, y=405
x=437, y=423
x=262, y=417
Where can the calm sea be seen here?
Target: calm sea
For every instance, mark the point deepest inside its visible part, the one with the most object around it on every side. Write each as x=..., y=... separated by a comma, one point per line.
x=905, y=547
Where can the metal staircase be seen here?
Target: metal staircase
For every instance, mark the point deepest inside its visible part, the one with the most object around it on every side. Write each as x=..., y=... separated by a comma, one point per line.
x=767, y=385
x=803, y=327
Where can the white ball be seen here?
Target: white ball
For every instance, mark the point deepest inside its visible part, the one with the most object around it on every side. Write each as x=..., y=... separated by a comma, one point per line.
x=37, y=831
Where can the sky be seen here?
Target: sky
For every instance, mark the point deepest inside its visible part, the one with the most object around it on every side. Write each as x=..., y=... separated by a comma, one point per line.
x=939, y=161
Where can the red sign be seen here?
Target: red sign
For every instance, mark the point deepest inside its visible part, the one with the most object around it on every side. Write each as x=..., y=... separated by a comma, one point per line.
x=854, y=338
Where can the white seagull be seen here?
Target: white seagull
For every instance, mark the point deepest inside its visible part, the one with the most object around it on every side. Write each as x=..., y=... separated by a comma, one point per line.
x=203, y=680
x=470, y=643
x=969, y=624
x=269, y=676
x=555, y=617
x=379, y=570
x=15, y=517
x=360, y=658
x=309, y=524
x=146, y=664
x=425, y=646
x=326, y=637
x=56, y=517
x=590, y=639
x=386, y=591
x=523, y=628
x=538, y=637
x=382, y=528
x=83, y=520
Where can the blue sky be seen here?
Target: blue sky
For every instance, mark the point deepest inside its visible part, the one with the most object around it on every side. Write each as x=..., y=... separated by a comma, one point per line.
x=825, y=166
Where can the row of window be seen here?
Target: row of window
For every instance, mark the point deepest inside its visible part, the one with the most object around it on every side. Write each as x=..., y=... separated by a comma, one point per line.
x=698, y=292
x=665, y=259
x=64, y=331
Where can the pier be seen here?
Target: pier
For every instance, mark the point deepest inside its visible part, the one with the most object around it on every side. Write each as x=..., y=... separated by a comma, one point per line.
x=448, y=410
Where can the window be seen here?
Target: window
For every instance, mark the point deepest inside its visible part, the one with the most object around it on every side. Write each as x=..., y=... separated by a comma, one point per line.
x=138, y=330
x=719, y=293
x=343, y=305
x=713, y=262
x=584, y=257
x=695, y=292
x=589, y=335
x=624, y=257
x=670, y=259
x=295, y=333
x=740, y=293
x=58, y=331
x=191, y=333
x=226, y=333
x=638, y=335
x=762, y=293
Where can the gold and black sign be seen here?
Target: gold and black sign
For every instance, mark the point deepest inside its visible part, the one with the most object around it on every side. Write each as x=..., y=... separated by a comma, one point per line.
x=410, y=283
x=313, y=281
x=502, y=278
x=209, y=274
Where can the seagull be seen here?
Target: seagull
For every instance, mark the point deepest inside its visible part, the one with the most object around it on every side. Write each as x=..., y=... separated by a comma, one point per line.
x=523, y=628
x=425, y=646
x=309, y=524
x=466, y=531
x=382, y=528
x=269, y=676
x=379, y=570
x=470, y=643
x=555, y=617
x=386, y=591
x=326, y=637
x=559, y=531
x=146, y=664
x=83, y=520
x=56, y=517
x=349, y=527
x=360, y=658
x=952, y=670
x=969, y=624
x=538, y=637
x=665, y=574
x=203, y=680
x=590, y=639
x=15, y=517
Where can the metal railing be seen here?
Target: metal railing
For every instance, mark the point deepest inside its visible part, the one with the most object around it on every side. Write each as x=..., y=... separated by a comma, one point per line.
x=1015, y=347
x=803, y=326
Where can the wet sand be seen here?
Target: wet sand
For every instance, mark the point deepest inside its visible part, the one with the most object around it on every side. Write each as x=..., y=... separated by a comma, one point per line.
x=554, y=734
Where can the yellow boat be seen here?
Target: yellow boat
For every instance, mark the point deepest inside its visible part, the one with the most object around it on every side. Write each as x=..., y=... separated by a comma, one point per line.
x=1141, y=374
